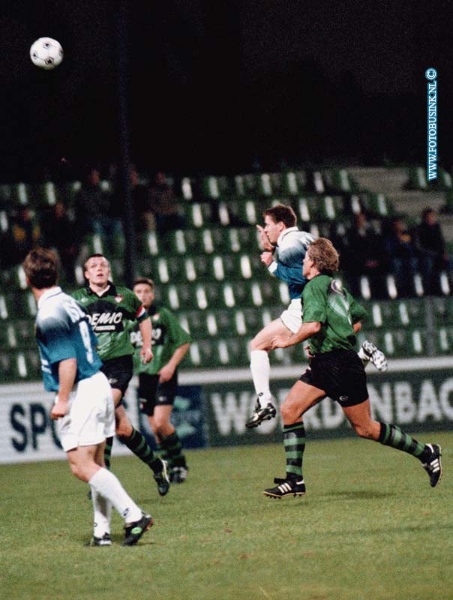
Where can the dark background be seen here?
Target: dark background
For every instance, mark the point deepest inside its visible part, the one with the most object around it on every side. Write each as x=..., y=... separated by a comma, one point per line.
x=223, y=86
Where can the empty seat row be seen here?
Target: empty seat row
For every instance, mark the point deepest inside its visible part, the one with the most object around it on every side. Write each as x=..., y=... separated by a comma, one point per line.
x=227, y=322
x=310, y=209
x=20, y=365
x=210, y=353
x=39, y=195
x=286, y=183
x=217, y=295
x=411, y=342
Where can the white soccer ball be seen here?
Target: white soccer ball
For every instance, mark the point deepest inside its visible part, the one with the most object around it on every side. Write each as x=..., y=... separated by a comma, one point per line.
x=46, y=53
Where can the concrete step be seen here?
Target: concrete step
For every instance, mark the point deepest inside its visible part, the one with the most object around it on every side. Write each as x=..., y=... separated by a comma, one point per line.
x=380, y=179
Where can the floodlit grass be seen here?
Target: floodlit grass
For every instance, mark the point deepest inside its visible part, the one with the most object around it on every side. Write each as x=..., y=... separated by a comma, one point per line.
x=370, y=527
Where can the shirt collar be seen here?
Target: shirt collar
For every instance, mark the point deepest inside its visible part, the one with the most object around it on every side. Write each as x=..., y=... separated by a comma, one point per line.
x=53, y=291
x=284, y=232
x=110, y=290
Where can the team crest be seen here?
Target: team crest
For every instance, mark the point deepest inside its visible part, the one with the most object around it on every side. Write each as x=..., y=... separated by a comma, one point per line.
x=118, y=298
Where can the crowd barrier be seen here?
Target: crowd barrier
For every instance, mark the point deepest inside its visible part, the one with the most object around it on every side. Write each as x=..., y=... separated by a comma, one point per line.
x=212, y=407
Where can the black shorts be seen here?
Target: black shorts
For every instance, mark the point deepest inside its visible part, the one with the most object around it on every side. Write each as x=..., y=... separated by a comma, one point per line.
x=119, y=372
x=340, y=374
x=152, y=393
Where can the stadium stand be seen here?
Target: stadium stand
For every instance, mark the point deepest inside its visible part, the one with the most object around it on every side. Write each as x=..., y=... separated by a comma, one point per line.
x=211, y=274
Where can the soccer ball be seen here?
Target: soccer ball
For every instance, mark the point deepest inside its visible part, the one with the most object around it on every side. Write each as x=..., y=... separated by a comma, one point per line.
x=46, y=53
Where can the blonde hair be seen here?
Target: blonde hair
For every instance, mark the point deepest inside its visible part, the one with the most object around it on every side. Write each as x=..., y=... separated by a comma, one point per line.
x=322, y=252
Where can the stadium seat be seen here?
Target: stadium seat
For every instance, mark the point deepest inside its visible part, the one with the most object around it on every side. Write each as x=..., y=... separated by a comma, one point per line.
x=169, y=269
x=377, y=205
x=442, y=310
x=43, y=195
x=198, y=268
x=199, y=214
x=444, y=340
x=215, y=187
x=17, y=305
x=148, y=244
x=340, y=180
x=292, y=183
x=20, y=365
x=20, y=194
x=8, y=337
x=13, y=279
x=253, y=185
x=400, y=313
x=244, y=212
x=217, y=352
x=182, y=296
x=235, y=239
x=219, y=267
x=183, y=241
x=401, y=343
x=198, y=323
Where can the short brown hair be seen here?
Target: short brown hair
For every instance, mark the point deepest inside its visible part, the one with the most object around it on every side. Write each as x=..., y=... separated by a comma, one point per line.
x=145, y=281
x=41, y=268
x=280, y=213
x=96, y=255
x=322, y=252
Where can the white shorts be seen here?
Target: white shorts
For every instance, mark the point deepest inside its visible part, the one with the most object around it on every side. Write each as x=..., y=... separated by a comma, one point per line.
x=91, y=416
x=292, y=316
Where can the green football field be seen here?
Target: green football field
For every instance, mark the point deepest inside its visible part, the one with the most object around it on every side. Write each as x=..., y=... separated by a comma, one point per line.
x=369, y=527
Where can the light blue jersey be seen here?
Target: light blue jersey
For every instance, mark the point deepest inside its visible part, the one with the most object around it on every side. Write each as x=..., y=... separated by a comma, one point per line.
x=292, y=245
x=63, y=331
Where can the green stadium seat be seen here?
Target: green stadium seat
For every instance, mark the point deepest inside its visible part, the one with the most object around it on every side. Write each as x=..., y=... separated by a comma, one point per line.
x=199, y=268
x=235, y=239
x=245, y=211
x=183, y=241
x=199, y=214
x=402, y=343
x=168, y=269
x=8, y=337
x=377, y=205
x=218, y=352
x=444, y=340
x=340, y=180
x=398, y=313
x=442, y=310
x=20, y=365
x=17, y=305
x=252, y=185
x=43, y=195
x=148, y=244
x=293, y=183
x=214, y=187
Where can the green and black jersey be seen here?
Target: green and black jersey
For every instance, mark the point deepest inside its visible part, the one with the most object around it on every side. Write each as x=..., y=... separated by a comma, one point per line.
x=168, y=335
x=325, y=301
x=111, y=314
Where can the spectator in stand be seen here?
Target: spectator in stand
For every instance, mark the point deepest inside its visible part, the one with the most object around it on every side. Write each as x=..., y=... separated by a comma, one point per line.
x=24, y=235
x=60, y=234
x=431, y=251
x=145, y=218
x=401, y=255
x=96, y=209
x=362, y=254
x=164, y=203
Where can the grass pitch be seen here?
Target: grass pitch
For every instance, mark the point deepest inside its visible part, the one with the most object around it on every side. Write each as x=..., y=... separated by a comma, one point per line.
x=370, y=527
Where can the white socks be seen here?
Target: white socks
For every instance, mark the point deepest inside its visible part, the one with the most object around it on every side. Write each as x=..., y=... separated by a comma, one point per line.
x=107, y=485
x=261, y=373
x=102, y=513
